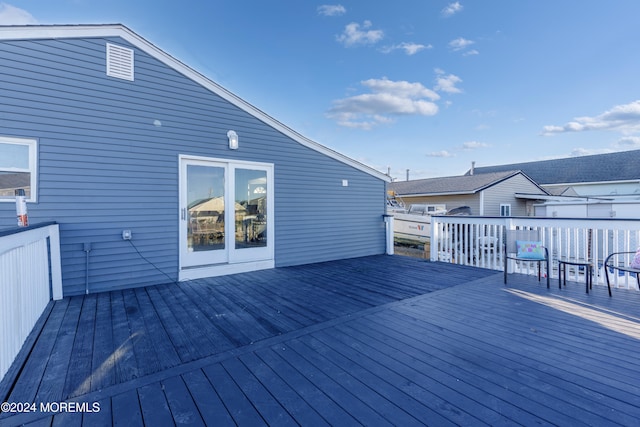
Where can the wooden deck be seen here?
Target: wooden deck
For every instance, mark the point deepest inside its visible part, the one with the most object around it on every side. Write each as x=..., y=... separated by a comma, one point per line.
x=378, y=340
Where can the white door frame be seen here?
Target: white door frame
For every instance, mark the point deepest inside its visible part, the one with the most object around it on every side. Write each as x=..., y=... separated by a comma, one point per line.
x=234, y=260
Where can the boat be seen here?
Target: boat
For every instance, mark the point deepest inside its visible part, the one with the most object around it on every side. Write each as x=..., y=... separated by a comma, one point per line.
x=415, y=223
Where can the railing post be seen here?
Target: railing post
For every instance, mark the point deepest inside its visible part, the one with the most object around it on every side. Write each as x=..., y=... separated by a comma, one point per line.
x=56, y=266
x=388, y=220
x=434, y=239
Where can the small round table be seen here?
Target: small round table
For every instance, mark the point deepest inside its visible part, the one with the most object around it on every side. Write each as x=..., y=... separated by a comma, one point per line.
x=562, y=271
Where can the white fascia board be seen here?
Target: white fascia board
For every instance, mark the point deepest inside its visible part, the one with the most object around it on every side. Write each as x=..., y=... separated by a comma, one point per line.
x=31, y=32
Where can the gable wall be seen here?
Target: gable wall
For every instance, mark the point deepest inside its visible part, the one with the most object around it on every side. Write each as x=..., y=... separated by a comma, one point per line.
x=104, y=166
x=504, y=192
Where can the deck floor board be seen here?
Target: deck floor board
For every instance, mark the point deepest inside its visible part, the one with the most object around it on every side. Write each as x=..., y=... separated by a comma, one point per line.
x=171, y=325
x=59, y=361
x=210, y=407
x=377, y=340
x=36, y=363
x=588, y=359
x=237, y=403
x=166, y=353
x=103, y=358
x=327, y=408
x=184, y=411
x=125, y=409
x=78, y=378
x=127, y=366
x=286, y=395
x=153, y=405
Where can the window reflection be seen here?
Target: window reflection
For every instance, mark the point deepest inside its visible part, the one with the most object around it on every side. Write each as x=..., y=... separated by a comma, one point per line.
x=16, y=166
x=10, y=182
x=205, y=207
x=251, y=208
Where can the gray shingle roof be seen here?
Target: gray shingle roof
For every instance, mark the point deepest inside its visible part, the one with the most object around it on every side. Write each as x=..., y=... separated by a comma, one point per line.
x=465, y=184
x=620, y=166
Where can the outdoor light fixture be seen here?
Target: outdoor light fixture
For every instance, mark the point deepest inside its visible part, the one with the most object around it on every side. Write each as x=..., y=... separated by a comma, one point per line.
x=233, y=139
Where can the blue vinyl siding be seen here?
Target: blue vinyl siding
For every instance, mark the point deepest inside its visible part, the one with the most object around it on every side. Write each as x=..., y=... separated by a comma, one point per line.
x=104, y=166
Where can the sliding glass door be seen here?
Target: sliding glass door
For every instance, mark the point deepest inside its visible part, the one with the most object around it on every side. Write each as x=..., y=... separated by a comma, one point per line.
x=225, y=213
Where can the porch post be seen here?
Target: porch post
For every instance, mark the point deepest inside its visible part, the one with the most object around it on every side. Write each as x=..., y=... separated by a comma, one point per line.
x=388, y=220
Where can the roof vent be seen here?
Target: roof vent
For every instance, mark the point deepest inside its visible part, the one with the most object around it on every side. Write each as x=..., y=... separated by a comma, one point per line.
x=119, y=62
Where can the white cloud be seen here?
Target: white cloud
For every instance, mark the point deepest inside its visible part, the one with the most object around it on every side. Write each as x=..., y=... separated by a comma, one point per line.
x=386, y=100
x=471, y=53
x=331, y=10
x=473, y=145
x=442, y=153
x=460, y=44
x=447, y=83
x=355, y=34
x=452, y=9
x=401, y=88
x=621, y=118
x=409, y=48
x=11, y=15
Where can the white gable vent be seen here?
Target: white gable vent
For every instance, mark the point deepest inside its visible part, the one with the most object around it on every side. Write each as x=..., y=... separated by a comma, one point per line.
x=119, y=62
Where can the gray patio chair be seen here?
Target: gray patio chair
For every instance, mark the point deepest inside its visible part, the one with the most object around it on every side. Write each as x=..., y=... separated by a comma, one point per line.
x=613, y=262
x=531, y=250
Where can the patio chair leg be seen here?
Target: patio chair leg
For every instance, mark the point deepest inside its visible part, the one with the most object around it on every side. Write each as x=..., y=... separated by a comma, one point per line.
x=606, y=274
x=560, y=276
x=505, y=268
x=547, y=272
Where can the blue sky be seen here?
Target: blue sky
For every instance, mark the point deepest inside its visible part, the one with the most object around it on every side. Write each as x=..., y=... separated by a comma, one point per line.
x=424, y=85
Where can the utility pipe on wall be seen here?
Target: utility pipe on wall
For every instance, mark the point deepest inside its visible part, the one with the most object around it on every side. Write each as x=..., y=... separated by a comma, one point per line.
x=87, y=249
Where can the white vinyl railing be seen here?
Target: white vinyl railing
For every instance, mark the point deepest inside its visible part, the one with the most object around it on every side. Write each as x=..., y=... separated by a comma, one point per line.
x=30, y=276
x=478, y=241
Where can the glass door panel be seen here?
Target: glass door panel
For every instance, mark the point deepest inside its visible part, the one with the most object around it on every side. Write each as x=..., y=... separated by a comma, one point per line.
x=250, y=208
x=204, y=214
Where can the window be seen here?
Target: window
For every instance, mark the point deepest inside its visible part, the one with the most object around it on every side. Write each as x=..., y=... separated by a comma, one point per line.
x=17, y=168
x=505, y=209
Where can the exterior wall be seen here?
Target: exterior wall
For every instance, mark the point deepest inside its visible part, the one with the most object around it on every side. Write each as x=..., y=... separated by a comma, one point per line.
x=504, y=192
x=607, y=189
x=104, y=166
x=471, y=200
x=617, y=210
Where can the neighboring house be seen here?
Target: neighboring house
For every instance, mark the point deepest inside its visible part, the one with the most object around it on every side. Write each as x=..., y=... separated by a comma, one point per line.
x=589, y=208
x=487, y=194
x=110, y=135
x=602, y=175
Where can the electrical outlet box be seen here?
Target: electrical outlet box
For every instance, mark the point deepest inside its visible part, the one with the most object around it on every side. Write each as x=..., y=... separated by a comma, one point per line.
x=126, y=235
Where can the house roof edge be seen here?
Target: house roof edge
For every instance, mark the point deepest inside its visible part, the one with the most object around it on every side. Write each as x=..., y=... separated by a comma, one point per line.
x=31, y=32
